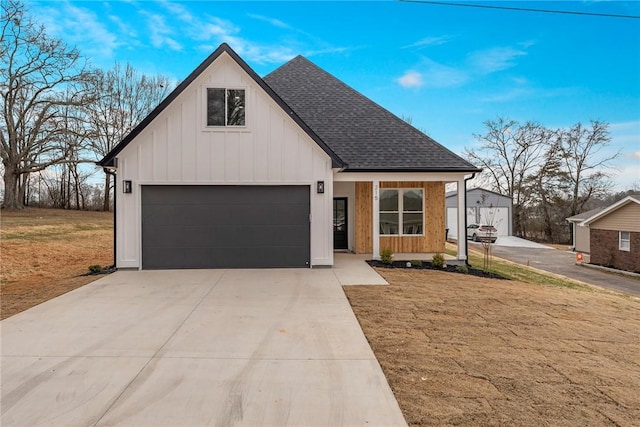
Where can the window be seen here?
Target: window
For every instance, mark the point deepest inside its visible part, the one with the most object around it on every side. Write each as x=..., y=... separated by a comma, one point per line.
x=624, y=238
x=225, y=107
x=401, y=211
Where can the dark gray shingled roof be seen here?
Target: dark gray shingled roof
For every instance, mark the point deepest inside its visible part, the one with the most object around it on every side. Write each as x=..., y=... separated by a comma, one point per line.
x=363, y=134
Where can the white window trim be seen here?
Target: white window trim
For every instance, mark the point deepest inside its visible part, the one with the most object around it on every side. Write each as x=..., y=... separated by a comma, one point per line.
x=624, y=244
x=400, y=212
x=225, y=127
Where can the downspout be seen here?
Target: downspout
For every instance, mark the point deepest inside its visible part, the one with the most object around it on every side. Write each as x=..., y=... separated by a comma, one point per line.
x=466, y=241
x=115, y=198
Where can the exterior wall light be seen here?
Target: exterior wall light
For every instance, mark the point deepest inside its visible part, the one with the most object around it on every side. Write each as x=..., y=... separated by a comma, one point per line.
x=127, y=186
x=320, y=187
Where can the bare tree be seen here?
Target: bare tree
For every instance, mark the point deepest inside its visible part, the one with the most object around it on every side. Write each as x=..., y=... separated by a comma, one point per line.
x=124, y=98
x=549, y=185
x=40, y=77
x=586, y=162
x=508, y=153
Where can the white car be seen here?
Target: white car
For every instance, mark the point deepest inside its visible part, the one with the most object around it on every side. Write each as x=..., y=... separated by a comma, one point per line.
x=479, y=233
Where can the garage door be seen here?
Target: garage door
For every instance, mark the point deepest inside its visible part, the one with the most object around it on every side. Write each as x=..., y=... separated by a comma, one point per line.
x=225, y=226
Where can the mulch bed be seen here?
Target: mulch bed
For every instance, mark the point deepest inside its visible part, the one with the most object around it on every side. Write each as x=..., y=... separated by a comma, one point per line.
x=426, y=265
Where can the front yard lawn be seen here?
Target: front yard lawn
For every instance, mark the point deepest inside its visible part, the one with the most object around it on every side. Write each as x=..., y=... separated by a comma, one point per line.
x=462, y=350
x=46, y=252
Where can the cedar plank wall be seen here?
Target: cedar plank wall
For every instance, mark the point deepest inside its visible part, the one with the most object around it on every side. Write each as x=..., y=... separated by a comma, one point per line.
x=432, y=241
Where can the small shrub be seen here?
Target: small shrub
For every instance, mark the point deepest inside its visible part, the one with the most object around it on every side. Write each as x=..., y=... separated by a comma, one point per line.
x=438, y=260
x=95, y=268
x=416, y=263
x=386, y=256
x=462, y=269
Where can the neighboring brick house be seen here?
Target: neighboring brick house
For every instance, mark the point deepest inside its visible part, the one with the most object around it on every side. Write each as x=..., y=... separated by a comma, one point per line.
x=615, y=235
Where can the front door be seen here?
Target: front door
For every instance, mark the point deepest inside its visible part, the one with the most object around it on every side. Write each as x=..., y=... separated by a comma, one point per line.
x=340, y=236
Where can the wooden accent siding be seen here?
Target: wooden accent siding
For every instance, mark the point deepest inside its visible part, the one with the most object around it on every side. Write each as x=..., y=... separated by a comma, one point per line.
x=364, y=218
x=432, y=241
x=626, y=218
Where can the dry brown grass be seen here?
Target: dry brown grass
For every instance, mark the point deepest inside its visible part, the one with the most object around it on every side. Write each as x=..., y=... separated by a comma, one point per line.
x=46, y=252
x=459, y=350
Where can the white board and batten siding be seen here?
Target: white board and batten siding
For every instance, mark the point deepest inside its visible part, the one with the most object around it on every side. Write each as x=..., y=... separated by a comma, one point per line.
x=177, y=148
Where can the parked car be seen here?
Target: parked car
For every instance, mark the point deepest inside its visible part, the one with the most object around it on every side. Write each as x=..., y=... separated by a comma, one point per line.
x=479, y=233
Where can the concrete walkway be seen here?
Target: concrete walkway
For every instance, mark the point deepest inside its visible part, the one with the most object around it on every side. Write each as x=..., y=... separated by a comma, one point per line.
x=194, y=348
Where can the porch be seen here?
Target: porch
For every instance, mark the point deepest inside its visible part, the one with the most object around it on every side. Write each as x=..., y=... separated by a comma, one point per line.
x=404, y=212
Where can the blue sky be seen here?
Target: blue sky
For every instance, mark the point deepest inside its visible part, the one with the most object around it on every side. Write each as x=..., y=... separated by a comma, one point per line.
x=447, y=68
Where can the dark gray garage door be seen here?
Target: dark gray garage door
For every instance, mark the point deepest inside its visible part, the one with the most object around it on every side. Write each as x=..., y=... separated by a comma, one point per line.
x=225, y=226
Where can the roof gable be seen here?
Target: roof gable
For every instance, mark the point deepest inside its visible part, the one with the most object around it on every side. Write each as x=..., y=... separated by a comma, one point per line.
x=109, y=159
x=610, y=209
x=362, y=133
x=478, y=190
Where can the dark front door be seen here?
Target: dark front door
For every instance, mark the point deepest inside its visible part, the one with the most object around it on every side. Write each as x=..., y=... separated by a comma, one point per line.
x=238, y=226
x=340, y=236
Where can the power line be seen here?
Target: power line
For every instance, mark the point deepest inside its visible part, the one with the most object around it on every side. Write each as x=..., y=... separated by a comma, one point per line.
x=523, y=9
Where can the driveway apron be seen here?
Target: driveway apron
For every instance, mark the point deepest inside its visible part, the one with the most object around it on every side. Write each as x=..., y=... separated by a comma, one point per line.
x=277, y=347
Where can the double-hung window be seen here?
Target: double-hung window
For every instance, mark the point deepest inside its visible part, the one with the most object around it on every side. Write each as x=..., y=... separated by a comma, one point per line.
x=624, y=240
x=401, y=211
x=225, y=107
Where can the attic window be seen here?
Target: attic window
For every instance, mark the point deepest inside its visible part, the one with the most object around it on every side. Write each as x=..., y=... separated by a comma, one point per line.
x=225, y=107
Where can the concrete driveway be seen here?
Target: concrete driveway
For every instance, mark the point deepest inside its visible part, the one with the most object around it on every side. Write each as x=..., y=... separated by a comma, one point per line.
x=195, y=348
x=564, y=263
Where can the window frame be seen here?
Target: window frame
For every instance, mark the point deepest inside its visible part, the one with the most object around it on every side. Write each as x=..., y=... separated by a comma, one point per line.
x=401, y=211
x=627, y=246
x=226, y=90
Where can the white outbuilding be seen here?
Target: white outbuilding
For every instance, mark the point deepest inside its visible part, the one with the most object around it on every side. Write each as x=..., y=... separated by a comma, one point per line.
x=484, y=207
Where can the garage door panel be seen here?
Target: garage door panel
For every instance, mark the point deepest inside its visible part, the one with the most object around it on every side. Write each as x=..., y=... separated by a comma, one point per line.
x=225, y=226
x=189, y=258
x=224, y=237
x=172, y=215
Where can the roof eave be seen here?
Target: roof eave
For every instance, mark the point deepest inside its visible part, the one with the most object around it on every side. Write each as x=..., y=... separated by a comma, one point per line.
x=413, y=170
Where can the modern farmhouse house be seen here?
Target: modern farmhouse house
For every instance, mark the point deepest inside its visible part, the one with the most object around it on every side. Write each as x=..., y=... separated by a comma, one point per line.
x=234, y=170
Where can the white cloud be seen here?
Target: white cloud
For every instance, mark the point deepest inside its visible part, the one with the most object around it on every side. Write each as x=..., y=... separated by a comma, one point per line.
x=79, y=27
x=213, y=27
x=494, y=59
x=410, y=78
x=160, y=33
x=429, y=41
x=440, y=75
x=124, y=29
x=178, y=11
x=273, y=21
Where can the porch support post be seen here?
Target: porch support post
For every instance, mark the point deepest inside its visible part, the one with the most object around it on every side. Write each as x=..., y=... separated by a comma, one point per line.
x=462, y=220
x=376, y=219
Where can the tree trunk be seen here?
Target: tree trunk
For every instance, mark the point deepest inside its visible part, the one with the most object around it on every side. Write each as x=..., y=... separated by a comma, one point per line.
x=517, y=221
x=11, y=196
x=76, y=187
x=26, y=185
x=107, y=192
